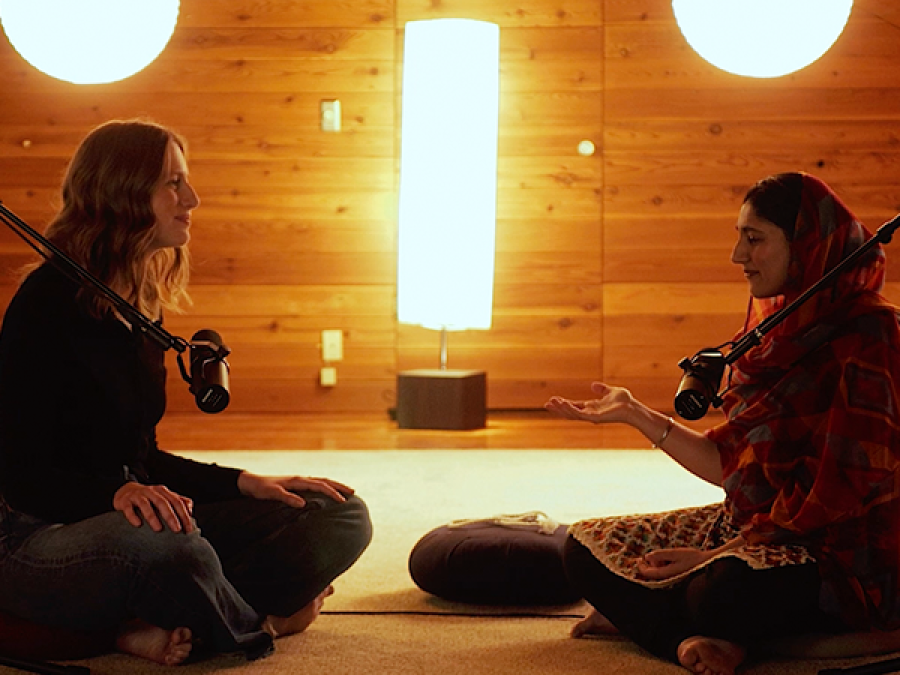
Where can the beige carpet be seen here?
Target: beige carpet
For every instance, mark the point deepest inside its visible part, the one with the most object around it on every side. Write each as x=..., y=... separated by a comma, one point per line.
x=379, y=622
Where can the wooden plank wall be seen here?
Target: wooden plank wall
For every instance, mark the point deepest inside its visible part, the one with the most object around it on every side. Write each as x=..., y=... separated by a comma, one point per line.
x=611, y=266
x=683, y=140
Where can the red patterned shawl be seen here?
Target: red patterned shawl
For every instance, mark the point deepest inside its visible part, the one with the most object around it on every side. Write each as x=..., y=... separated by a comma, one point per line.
x=811, y=446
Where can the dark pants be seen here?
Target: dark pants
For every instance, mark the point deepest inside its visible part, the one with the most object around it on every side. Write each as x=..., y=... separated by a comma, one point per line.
x=249, y=558
x=727, y=599
x=278, y=557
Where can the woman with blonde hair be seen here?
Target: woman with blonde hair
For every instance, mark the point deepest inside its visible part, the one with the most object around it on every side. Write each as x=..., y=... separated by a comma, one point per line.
x=100, y=529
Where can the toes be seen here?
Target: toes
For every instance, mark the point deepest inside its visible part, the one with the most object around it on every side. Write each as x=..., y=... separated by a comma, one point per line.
x=182, y=635
x=179, y=647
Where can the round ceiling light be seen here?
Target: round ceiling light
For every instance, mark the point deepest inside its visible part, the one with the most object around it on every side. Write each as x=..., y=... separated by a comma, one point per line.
x=89, y=41
x=761, y=38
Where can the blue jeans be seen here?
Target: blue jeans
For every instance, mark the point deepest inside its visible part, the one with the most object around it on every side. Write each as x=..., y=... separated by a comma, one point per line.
x=248, y=559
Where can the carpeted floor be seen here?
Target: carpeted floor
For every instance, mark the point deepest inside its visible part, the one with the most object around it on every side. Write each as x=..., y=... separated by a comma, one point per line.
x=379, y=622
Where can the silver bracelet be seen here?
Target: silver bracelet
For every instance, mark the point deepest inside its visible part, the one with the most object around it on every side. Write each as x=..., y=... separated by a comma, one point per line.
x=665, y=434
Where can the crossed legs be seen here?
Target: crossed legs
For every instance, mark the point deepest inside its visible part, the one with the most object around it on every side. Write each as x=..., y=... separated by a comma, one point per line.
x=711, y=622
x=164, y=592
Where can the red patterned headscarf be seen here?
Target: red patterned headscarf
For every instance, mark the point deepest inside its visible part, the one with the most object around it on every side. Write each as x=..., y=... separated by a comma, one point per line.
x=811, y=447
x=825, y=233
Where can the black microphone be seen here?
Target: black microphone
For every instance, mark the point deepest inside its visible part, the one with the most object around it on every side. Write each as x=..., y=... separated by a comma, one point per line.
x=209, y=371
x=699, y=385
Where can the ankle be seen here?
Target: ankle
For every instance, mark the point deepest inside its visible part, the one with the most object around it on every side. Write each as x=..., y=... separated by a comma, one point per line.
x=268, y=625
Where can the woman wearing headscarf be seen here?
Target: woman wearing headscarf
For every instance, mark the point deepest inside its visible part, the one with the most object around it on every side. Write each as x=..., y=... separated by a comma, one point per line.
x=806, y=539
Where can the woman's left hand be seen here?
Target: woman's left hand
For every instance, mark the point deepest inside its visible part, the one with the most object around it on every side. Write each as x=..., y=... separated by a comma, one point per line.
x=284, y=489
x=669, y=562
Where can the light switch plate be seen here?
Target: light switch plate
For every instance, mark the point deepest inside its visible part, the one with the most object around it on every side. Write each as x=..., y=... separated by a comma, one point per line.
x=330, y=115
x=332, y=345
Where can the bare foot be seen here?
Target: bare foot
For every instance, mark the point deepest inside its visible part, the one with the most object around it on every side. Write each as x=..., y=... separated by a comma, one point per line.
x=594, y=624
x=168, y=647
x=710, y=656
x=279, y=626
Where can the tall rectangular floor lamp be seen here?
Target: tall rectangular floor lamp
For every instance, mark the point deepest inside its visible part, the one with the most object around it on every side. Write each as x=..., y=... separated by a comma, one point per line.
x=448, y=208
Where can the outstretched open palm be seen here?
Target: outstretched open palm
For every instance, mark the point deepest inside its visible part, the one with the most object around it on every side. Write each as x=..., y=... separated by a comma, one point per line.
x=610, y=405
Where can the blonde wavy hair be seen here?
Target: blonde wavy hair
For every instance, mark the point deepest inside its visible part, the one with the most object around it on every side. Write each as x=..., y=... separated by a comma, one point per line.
x=106, y=223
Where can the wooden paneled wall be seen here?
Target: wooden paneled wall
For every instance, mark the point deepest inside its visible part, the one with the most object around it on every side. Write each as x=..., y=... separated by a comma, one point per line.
x=683, y=140
x=611, y=266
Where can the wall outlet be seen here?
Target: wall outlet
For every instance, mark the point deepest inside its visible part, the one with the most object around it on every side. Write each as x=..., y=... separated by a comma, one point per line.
x=332, y=345
x=328, y=376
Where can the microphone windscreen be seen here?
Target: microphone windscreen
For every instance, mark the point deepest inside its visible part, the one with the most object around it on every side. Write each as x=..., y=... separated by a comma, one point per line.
x=207, y=335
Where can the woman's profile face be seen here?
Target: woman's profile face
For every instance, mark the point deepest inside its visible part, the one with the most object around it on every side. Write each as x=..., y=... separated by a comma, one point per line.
x=764, y=252
x=173, y=201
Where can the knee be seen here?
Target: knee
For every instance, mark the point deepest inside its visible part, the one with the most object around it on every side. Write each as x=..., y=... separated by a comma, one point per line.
x=344, y=530
x=719, y=592
x=352, y=524
x=578, y=562
x=359, y=514
x=192, y=551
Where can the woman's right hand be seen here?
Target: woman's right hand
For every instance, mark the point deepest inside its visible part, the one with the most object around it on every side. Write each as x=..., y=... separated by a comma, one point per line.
x=156, y=505
x=612, y=405
x=669, y=562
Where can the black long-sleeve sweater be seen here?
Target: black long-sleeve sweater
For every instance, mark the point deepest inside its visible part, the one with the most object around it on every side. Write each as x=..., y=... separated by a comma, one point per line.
x=79, y=402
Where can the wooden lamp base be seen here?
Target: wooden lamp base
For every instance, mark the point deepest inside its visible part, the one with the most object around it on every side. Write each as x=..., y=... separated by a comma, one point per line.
x=441, y=399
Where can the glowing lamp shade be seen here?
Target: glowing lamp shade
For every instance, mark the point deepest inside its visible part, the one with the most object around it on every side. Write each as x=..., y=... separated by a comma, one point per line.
x=89, y=41
x=761, y=38
x=448, y=173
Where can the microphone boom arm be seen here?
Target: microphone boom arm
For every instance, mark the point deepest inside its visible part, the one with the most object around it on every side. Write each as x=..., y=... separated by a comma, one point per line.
x=67, y=266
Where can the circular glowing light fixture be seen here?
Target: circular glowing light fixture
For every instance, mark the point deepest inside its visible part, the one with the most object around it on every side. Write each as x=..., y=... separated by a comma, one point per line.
x=89, y=41
x=761, y=38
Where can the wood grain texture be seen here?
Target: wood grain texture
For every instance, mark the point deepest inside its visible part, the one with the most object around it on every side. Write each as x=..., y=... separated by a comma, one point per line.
x=609, y=266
